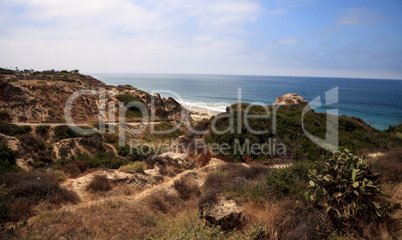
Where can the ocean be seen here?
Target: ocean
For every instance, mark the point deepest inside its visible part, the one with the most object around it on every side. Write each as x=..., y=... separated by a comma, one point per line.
x=376, y=101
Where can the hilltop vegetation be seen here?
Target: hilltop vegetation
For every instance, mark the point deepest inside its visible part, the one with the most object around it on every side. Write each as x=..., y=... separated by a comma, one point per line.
x=353, y=134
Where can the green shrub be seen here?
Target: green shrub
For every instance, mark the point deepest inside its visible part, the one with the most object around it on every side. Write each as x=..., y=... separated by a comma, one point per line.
x=128, y=98
x=134, y=167
x=42, y=129
x=19, y=130
x=64, y=132
x=288, y=180
x=102, y=160
x=7, y=160
x=60, y=174
x=353, y=133
x=191, y=226
x=13, y=130
x=346, y=186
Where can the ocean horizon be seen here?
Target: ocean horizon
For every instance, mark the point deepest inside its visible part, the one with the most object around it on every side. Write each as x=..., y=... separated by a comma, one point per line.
x=376, y=101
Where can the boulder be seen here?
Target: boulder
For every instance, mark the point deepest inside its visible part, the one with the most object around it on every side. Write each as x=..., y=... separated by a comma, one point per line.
x=291, y=99
x=228, y=214
x=169, y=164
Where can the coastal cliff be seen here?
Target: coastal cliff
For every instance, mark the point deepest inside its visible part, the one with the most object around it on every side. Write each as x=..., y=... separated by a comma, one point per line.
x=41, y=98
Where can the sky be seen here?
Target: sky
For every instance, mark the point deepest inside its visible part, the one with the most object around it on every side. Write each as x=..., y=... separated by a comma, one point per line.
x=343, y=38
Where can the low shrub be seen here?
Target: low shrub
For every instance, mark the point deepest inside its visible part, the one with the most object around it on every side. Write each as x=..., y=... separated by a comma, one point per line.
x=64, y=132
x=102, y=160
x=29, y=141
x=41, y=129
x=29, y=189
x=288, y=180
x=7, y=160
x=73, y=169
x=235, y=181
x=134, y=167
x=99, y=184
x=19, y=130
x=128, y=98
x=190, y=226
x=60, y=174
x=13, y=130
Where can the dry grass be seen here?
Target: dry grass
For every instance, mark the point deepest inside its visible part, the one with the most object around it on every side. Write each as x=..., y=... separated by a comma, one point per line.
x=114, y=219
x=99, y=184
x=134, y=167
x=232, y=175
x=285, y=220
x=390, y=166
x=123, y=189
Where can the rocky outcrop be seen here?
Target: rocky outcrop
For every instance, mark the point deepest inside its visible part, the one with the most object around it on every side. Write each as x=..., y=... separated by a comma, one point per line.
x=23, y=157
x=169, y=164
x=42, y=99
x=77, y=146
x=291, y=99
x=222, y=212
x=158, y=107
x=20, y=103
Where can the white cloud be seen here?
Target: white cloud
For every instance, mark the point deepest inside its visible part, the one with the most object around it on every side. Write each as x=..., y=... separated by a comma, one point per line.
x=357, y=16
x=289, y=41
x=123, y=35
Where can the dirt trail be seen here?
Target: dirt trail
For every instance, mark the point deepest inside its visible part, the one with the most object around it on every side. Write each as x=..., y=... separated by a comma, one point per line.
x=78, y=185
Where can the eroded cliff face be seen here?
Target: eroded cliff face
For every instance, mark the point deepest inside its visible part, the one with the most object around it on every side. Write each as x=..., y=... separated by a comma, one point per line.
x=159, y=108
x=43, y=98
x=20, y=103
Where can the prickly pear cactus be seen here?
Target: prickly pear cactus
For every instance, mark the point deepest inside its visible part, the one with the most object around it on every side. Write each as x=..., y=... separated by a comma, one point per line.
x=346, y=186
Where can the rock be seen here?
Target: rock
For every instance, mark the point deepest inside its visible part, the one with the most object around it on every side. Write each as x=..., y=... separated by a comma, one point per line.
x=169, y=164
x=20, y=103
x=77, y=146
x=23, y=157
x=222, y=212
x=291, y=99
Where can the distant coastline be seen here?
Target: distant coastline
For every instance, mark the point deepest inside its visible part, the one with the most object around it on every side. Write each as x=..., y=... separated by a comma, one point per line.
x=376, y=101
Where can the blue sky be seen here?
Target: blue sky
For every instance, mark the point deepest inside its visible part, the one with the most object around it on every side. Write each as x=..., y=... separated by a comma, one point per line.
x=343, y=38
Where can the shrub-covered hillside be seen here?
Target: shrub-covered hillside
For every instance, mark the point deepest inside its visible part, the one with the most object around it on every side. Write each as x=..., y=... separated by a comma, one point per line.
x=353, y=134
